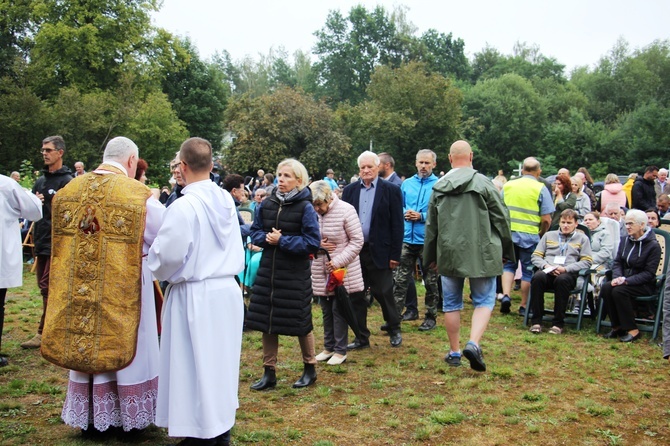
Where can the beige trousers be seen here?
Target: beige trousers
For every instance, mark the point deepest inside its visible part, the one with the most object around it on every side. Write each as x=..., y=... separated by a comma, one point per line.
x=271, y=348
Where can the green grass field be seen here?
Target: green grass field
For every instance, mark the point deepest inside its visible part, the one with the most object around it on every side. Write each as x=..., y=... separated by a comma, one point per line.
x=573, y=389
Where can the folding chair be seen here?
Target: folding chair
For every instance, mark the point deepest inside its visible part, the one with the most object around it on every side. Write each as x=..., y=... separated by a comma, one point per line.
x=582, y=291
x=247, y=215
x=656, y=299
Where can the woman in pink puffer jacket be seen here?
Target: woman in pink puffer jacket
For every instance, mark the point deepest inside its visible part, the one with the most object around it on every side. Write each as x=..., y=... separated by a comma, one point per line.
x=342, y=237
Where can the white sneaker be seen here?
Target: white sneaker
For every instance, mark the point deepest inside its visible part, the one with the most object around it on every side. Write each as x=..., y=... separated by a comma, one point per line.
x=337, y=359
x=324, y=355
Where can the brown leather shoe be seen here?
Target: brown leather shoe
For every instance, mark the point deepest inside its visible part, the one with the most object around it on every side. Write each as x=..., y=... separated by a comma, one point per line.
x=35, y=342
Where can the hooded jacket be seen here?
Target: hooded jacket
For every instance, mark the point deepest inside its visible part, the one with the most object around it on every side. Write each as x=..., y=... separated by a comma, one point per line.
x=643, y=194
x=602, y=246
x=415, y=195
x=612, y=193
x=467, y=232
x=637, y=260
x=48, y=184
x=281, y=300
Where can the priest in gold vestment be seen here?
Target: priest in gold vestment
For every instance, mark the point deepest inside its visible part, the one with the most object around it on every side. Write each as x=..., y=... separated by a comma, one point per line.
x=102, y=323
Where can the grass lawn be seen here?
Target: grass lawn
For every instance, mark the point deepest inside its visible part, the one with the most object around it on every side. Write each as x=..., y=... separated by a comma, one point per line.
x=573, y=389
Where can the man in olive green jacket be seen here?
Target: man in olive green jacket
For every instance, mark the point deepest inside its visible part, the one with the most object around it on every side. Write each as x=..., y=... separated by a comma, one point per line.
x=467, y=235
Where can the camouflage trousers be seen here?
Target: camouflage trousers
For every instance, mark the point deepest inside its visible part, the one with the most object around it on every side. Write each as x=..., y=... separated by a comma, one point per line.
x=405, y=272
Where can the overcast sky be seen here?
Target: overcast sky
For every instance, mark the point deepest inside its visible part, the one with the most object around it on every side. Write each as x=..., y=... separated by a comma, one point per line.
x=575, y=32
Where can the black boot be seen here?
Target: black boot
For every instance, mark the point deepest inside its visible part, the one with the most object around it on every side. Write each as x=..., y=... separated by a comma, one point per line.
x=308, y=377
x=268, y=381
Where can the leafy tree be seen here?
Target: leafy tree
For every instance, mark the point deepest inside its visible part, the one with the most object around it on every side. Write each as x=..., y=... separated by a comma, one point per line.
x=199, y=95
x=640, y=139
x=506, y=118
x=526, y=61
x=284, y=124
x=577, y=141
x=15, y=29
x=409, y=108
x=446, y=55
x=88, y=43
x=349, y=49
x=153, y=125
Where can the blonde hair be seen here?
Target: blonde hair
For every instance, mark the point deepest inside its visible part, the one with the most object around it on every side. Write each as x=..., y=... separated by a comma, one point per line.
x=298, y=170
x=580, y=182
x=612, y=178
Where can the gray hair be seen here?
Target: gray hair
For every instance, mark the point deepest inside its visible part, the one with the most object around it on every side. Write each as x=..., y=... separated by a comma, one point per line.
x=119, y=149
x=368, y=154
x=321, y=191
x=637, y=216
x=663, y=170
x=426, y=152
x=56, y=140
x=612, y=206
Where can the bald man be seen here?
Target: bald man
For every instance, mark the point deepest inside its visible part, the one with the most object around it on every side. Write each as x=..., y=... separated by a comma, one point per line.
x=467, y=235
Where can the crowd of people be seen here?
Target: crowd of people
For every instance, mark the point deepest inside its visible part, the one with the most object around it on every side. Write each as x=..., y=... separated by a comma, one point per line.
x=103, y=236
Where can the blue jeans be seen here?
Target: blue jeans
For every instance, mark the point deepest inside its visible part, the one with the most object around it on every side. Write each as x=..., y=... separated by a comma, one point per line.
x=482, y=289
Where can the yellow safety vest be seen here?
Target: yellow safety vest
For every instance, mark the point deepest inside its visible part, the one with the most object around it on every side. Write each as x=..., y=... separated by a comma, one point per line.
x=521, y=197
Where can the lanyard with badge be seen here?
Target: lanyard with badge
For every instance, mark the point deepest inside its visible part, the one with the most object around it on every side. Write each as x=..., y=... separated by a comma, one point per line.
x=563, y=247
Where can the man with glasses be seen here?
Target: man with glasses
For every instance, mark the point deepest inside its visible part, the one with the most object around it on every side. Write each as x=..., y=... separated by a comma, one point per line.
x=176, y=173
x=54, y=177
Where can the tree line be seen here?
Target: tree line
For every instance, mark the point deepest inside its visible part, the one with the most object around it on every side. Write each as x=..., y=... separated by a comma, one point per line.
x=97, y=69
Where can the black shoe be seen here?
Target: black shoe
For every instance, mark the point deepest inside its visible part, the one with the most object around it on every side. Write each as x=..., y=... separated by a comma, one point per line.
x=223, y=439
x=358, y=345
x=3, y=361
x=384, y=327
x=191, y=441
x=522, y=311
x=428, y=324
x=517, y=285
x=396, y=339
x=308, y=377
x=613, y=334
x=630, y=338
x=268, y=381
x=454, y=360
x=410, y=316
x=505, y=304
x=474, y=354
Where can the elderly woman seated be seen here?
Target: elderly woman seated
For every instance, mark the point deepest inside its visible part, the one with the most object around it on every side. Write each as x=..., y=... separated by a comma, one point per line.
x=560, y=256
x=633, y=275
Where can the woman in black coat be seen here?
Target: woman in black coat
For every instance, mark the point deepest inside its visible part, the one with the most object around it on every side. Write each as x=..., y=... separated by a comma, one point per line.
x=633, y=275
x=287, y=229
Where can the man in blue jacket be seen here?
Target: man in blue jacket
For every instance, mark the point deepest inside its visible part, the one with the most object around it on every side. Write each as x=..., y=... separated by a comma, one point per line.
x=415, y=196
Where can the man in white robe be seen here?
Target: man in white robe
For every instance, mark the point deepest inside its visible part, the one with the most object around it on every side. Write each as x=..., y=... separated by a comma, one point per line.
x=125, y=398
x=199, y=251
x=15, y=203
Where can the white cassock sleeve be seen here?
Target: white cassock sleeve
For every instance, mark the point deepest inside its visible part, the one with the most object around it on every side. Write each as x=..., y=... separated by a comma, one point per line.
x=154, y=219
x=173, y=245
x=29, y=206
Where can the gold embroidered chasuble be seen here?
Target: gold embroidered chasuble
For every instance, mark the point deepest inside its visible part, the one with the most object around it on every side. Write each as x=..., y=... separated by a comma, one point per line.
x=96, y=272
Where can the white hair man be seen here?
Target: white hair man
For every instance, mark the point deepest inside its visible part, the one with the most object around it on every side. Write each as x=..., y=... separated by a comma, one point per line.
x=379, y=207
x=106, y=331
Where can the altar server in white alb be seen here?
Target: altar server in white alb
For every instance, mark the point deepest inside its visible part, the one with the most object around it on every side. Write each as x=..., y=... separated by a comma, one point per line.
x=15, y=203
x=199, y=252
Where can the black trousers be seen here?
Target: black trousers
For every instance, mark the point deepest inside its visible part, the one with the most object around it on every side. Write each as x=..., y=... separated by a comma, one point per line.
x=562, y=285
x=380, y=282
x=620, y=304
x=3, y=293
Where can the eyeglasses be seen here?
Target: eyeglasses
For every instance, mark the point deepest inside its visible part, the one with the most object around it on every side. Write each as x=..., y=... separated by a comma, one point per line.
x=630, y=223
x=47, y=150
x=174, y=166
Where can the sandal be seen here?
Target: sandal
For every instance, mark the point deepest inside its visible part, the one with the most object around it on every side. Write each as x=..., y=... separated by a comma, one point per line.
x=536, y=329
x=555, y=330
